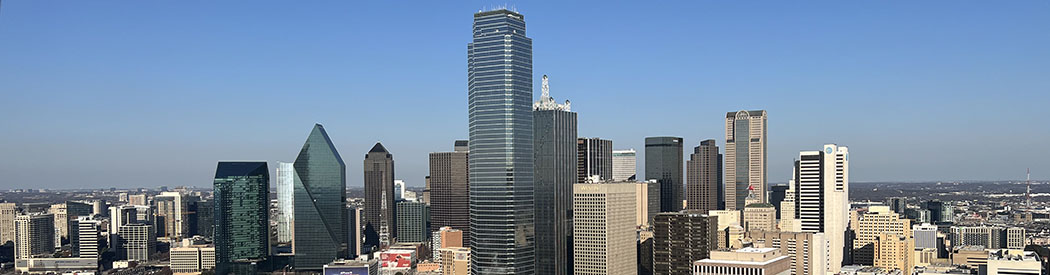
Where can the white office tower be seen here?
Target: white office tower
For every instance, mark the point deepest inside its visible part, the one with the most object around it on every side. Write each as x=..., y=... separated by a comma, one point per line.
x=625, y=164
x=34, y=235
x=87, y=234
x=285, y=202
x=604, y=234
x=925, y=235
x=399, y=190
x=822, y=178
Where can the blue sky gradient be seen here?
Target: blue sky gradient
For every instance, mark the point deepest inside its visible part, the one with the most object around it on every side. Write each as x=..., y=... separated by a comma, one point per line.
x=151, y=93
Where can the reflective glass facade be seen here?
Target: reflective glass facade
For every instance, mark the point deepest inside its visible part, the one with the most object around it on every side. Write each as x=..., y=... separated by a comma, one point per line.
x=242, y=200
x=663, y=162
x=556, y=152
x=320, y=190
x=499, y=72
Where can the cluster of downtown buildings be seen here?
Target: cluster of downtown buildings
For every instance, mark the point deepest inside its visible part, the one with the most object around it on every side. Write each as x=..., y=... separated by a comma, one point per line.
x=524, y=195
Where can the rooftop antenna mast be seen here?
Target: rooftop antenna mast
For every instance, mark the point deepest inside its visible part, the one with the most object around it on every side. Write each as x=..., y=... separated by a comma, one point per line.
x=1028, y=193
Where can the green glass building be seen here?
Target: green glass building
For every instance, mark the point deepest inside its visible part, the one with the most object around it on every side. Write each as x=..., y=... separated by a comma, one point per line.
x=242, y=222
x=319, y=188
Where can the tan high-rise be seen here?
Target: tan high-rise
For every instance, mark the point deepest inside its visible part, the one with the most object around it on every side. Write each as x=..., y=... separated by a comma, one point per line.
x=745, y=158
x=760, y=216
x=454, y=260
x=895, y=251
x=702, y=177
x=808, y=251
x=641, y=204
x=7, y=222
x=604, y=235
x=879, y=220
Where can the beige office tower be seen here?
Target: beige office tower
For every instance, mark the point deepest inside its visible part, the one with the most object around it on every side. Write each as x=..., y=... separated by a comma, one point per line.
x=822, y=179
x=808, y=251
x=8, y=212
x=1015, y=238
x=641, y=204
x=35, y=235
x=604, y=235
x=726, y=219
x=895, y=251
x=59, y=211
x=760, y=216
x=745, y=158
x=877, y=221
x=787, y=210
x=702, y=177
x=624, y=165
x=139, y=199
x=925, y=256
x=454, y=260
x=192, y=259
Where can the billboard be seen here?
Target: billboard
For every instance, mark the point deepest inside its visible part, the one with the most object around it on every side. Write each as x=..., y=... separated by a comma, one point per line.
x=397, y=258
x=346, y=270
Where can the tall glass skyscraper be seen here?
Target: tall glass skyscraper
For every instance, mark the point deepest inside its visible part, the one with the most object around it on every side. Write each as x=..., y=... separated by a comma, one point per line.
x=556, y=152
x=242, y=221
x=285, y=201
x=499, y=73
x=320, y=192
x=663, y=162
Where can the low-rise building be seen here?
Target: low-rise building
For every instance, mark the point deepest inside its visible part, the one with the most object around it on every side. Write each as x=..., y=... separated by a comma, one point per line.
x=56, y=265
x=764, y=261
x=1014, y=262
x=192, y=259
x=369, y=267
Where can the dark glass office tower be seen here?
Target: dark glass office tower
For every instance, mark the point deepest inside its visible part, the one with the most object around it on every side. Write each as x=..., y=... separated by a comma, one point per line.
x=556, y=172
x=242, y=221
x=380, y=208
x=777, y=193
x=594, y=158
x=499, y=73
x=205, y=218
x=450, y=190
x=663, y=162
x=320, y=192
x=681, y=238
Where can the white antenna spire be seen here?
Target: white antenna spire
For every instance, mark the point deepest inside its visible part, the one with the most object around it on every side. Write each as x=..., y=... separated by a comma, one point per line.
x=546, y=101
x=546, y=88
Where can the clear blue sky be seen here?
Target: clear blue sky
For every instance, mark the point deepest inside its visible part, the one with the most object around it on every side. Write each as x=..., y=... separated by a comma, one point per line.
x=150, y=93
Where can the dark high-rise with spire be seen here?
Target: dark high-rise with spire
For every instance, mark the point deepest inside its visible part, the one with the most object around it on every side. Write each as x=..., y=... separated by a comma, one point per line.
x=320, y=192
x=556, y=152
x=499, y=83
x=380, y=207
